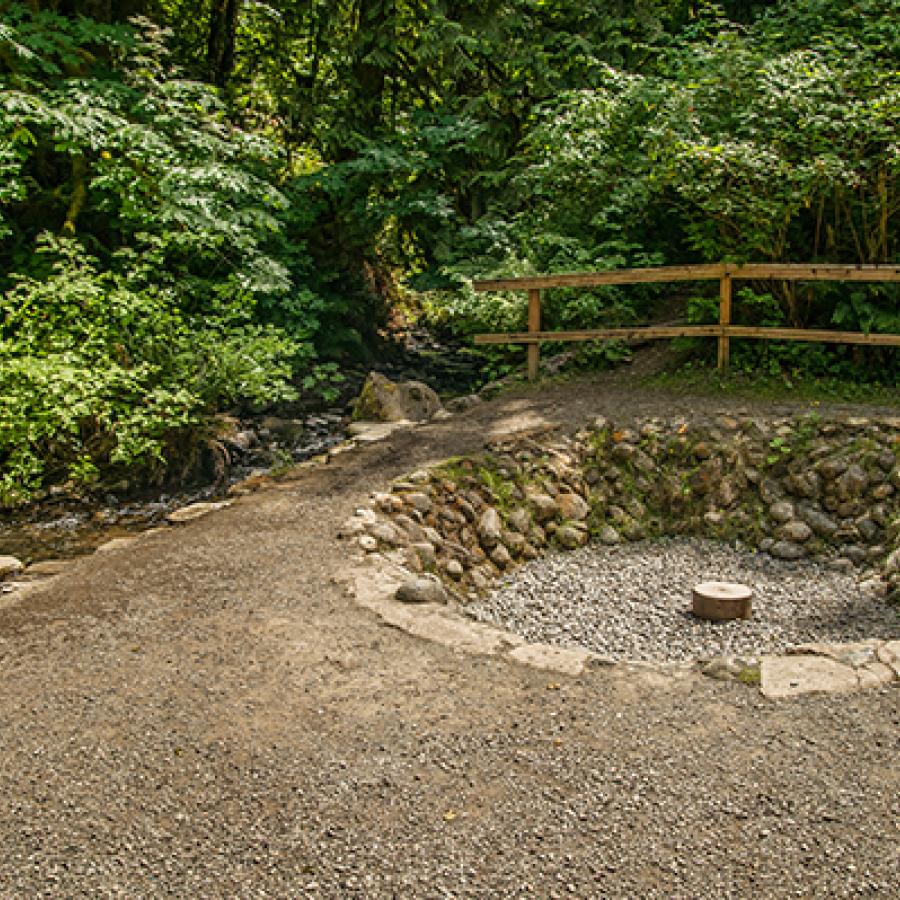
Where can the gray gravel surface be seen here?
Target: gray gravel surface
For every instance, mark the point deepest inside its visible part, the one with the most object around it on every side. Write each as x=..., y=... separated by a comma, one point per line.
x=633, y=601
x=207, y=714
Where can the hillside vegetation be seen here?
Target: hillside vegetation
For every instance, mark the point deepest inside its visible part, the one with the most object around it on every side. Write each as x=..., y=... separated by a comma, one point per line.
x=220, y=203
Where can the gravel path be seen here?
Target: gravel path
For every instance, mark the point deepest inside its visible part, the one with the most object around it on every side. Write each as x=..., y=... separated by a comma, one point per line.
x=206, y=713
x=633, y=602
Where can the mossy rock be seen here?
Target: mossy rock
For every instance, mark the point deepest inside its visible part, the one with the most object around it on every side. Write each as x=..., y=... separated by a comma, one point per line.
x=383, y=400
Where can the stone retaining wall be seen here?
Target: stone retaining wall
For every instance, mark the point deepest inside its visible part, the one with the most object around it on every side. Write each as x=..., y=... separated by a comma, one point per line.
x=794, y=487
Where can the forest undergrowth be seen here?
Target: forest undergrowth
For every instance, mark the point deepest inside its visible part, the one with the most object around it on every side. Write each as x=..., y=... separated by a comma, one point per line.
x=222, y=206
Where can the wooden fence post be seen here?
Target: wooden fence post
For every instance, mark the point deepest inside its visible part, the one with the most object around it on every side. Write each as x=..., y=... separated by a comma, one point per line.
x=724, y=319
x=534, y=324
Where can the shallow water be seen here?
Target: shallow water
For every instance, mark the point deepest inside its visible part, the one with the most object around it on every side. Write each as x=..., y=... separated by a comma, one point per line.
x=63, y=529
x=66, y=528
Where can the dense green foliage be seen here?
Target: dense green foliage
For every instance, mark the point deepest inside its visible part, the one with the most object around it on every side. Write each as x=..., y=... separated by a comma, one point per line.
x=741, y=147
x=139, y=319
x=776, y=142
x=212, y=203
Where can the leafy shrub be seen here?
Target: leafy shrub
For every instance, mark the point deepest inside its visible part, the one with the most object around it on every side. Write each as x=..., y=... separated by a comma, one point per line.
x=775, y=142
x=158, y=304
x=98, y=371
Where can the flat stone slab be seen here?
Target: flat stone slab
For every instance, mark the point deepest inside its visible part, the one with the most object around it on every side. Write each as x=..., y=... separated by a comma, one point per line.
x=855, y=654
x=9, y=566
x=434, y=622
x=874, y=675
x=370, y=432
x=48, y=568
x=791, y=676
x=195, y=511
x=889, y=655
x=520, y=425
x=565, y=660
x=118, y=543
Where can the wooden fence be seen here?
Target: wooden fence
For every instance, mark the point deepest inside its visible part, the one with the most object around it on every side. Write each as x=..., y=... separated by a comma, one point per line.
x=724, y=273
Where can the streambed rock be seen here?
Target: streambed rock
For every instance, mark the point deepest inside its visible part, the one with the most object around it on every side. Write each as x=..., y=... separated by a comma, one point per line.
x=543, y=506
x=195, y=511
x=520, y=520
x=384, y=532
x=852, y=484
x=892, y=563
x=782, y=511
x=425, y=555
x=572, y=506
x=609, y=536
x=795, y=531
x=490, y=527
x=501, y=557
x=569, y=537
x=787, y=550
x=423, y=589
x=805, y=484
x=9, y=566
x=418, y=500
x=513, y=541
x=822, y=524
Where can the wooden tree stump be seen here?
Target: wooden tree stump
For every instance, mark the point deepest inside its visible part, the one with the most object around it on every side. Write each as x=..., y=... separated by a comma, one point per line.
x=722, y=600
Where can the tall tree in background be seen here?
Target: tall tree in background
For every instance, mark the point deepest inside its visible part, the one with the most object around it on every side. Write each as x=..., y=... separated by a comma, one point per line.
x=223, y=23
x=372, y=58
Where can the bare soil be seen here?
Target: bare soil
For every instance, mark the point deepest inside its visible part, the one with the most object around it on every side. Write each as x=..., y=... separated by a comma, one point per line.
x=207, y=712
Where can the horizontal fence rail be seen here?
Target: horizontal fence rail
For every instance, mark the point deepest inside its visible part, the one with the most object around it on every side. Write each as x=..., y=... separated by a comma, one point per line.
x=724, y=273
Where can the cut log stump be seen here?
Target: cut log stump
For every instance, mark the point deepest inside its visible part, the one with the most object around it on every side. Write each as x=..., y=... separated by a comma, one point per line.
x=722, y=600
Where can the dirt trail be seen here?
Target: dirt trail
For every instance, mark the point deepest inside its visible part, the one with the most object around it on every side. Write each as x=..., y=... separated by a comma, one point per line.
x=207, y=712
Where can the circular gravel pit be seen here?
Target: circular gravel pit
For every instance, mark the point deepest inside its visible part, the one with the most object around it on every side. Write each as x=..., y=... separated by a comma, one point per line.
x=633, y=602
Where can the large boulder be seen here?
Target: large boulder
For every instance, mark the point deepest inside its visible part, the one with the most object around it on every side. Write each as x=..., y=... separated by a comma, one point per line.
x=383, y=400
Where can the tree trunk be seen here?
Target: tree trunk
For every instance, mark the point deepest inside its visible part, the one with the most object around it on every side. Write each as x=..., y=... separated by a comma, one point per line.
x=374, y=32
x=223, y=21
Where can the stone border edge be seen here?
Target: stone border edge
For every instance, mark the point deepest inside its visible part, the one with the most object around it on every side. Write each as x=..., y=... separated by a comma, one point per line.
x=805, y=669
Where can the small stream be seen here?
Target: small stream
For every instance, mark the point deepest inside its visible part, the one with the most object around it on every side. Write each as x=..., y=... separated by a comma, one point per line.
x=62, y=527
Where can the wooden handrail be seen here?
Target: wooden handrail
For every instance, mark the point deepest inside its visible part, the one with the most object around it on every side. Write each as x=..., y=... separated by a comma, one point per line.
x=815, y=336
x=699, y=272
x=724, y=273
x=595, y=279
